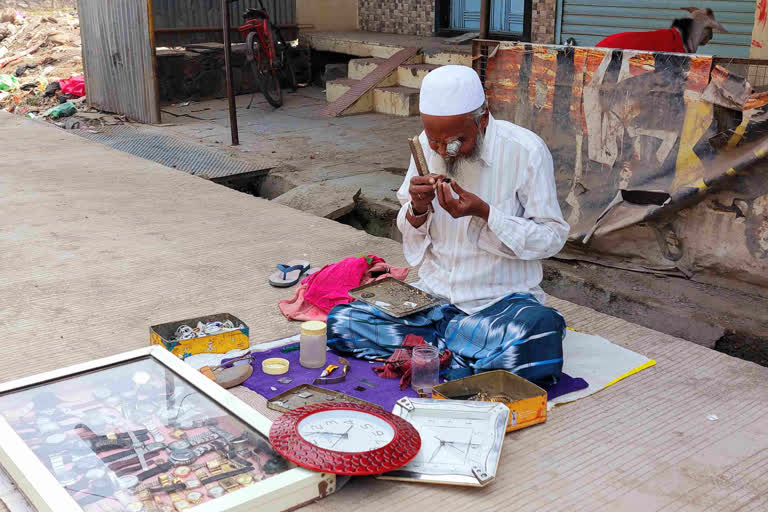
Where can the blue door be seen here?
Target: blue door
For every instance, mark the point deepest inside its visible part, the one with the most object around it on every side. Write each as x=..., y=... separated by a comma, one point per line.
x=506, y=15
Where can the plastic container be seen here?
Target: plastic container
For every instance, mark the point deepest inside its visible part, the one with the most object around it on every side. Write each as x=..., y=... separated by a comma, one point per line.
x=312, y=344
x=425, y=368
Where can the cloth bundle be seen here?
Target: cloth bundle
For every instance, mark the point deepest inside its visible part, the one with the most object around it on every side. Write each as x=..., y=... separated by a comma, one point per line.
x=399, y=363
x=320, y=292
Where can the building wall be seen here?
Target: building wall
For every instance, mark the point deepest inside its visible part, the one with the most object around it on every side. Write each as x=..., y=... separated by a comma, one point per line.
x=328, y=15
x=543, y=21
x=414, y=17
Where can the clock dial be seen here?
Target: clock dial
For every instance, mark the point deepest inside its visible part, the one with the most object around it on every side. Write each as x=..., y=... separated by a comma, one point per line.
x=345, y=439
x=460, y=441
x=346, y=431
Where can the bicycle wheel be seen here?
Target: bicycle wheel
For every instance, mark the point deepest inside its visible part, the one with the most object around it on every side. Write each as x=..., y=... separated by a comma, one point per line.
x=270, y=86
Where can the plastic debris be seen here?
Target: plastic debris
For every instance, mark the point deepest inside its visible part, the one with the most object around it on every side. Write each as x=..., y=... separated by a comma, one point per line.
x=8, y=83
x=74, y=86
x=64, y=110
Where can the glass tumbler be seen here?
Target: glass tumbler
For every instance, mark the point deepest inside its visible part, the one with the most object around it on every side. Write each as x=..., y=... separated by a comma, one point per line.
x=425, y=369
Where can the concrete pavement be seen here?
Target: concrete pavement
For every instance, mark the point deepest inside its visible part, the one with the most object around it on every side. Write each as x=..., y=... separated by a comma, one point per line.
x=95, y=245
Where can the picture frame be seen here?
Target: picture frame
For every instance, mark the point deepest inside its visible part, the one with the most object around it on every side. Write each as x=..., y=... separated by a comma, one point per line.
x=283, y=491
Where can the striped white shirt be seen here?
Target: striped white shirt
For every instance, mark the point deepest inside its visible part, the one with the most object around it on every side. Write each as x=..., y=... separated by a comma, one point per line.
x=474, y=264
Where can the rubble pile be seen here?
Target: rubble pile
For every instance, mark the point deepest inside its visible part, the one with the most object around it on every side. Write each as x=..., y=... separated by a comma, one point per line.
x=40, y=51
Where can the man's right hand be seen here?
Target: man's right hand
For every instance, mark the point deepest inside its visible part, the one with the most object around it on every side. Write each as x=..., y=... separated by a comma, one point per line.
x=422, y=191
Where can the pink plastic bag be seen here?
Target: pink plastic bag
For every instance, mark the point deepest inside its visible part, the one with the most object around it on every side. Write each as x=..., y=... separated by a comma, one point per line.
x=74, y=85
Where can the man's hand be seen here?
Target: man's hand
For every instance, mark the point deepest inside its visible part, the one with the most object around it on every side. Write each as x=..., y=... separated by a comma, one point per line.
x=467, y=203
x=422, y=191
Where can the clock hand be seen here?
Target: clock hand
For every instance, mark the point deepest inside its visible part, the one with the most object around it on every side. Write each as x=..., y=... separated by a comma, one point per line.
x=437, y=450
x=345, y=434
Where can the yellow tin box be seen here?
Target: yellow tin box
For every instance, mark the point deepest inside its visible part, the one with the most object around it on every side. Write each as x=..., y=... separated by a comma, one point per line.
x=163, y=334
x=526, y=401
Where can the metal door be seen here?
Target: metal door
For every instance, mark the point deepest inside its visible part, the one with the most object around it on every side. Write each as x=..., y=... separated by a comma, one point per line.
x=506, y=15
x=589, y=21
x=119, y=57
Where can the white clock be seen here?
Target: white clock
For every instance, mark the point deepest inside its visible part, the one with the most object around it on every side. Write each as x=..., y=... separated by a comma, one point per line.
x=346, y=431
x=460, y=441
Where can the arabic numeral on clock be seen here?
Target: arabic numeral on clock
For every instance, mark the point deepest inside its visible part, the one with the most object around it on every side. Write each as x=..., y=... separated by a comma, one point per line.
x=379, y=433
x=316, y=427
x=367, y=426
x=331, y=422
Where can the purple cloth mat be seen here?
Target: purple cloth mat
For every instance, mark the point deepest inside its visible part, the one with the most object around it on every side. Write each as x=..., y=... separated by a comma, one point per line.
x=385, y=394
x=565, y=385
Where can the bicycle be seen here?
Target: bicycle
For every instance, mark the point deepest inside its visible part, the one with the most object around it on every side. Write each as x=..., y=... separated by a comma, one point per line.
x=267, y=59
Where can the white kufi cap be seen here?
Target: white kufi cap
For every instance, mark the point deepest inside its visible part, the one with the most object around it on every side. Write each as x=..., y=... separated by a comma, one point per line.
x=451, y=91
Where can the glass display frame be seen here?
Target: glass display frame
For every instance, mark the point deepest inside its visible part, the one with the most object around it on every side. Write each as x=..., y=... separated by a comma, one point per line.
x=285, y=490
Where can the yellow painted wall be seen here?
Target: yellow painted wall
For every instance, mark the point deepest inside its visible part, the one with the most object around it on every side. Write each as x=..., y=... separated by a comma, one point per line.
x=327, y=15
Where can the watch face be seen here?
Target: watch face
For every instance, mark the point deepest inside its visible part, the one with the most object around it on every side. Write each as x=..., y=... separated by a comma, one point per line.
x=346, y=431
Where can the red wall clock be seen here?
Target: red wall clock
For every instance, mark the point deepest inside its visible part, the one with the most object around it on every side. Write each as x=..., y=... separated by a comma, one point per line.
x=345, y=439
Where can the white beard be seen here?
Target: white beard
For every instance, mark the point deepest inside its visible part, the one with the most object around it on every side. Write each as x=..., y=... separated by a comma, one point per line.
x=451, y=166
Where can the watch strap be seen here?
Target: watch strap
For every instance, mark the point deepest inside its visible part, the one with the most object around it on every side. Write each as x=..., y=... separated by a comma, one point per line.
x=414, y=214
x=160, y=468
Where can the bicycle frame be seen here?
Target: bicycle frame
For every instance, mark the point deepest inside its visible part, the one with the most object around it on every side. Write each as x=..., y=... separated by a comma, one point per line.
x=260, y=27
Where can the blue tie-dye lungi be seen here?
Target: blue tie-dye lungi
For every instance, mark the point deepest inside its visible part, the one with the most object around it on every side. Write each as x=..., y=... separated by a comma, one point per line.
x=517, y=334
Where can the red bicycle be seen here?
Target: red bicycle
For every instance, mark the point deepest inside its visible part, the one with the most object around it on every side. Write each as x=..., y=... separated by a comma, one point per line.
x=267, y=60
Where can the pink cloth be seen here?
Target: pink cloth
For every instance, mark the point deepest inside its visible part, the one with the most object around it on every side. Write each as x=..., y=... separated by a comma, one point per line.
x=320, y=292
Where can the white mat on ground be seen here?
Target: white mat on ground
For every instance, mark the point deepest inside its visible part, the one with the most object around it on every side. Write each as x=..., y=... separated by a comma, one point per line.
x=597, y=361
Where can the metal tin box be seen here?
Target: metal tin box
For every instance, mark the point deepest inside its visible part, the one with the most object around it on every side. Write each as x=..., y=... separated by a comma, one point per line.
x=220, y=343
x=526, y=401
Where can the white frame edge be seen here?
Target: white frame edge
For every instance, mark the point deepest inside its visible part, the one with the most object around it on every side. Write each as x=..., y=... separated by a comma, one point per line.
x=283, y=491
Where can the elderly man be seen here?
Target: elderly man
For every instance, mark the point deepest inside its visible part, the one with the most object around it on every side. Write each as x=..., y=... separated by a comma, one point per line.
x=478, y=225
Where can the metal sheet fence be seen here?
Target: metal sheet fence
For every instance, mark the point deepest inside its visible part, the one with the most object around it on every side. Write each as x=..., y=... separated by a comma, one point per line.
x=182, y=22
x=118, y=58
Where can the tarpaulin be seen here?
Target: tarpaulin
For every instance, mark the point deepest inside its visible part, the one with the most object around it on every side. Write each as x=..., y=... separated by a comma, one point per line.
x=658, y=156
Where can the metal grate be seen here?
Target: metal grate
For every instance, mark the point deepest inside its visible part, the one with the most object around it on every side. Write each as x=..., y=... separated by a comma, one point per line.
x=183, y=156
x=368, y=82
x=481, y=50
x=755, y=70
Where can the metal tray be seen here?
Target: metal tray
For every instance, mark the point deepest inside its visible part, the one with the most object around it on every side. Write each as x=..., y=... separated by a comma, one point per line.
x=290, y=400
x=382, y=295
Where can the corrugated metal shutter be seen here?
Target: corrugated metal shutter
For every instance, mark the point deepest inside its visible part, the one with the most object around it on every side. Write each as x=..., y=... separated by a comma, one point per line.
x=589, y=21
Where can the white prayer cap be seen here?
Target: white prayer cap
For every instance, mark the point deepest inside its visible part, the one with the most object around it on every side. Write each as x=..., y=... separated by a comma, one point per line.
x=450, y=91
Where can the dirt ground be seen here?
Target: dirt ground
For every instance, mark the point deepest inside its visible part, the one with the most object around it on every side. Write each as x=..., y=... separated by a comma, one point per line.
x=38, y=48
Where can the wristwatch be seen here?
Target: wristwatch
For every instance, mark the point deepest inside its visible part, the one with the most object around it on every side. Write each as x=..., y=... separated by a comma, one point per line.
x=414, y=214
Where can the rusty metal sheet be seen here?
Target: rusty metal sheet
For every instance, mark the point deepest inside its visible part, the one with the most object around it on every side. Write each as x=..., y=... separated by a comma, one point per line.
x=118, y=58
x=639, y=150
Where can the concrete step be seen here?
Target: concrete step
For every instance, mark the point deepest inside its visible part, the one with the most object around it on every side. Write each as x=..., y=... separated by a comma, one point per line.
x=396, y=101
x=336, y=88
x=443, y=57
x=411, y=75
x=358, y=68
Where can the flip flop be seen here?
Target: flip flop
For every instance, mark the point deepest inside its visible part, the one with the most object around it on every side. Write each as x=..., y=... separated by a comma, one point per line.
x=288, y=274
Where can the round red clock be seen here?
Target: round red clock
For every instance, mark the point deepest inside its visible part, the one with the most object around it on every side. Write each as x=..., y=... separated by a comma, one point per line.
x=345, y=439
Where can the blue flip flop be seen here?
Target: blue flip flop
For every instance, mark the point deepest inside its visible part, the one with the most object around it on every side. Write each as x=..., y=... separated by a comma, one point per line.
x=288, y=274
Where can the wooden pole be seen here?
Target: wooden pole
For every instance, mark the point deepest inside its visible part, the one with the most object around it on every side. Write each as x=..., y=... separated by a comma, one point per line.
x=485, y=18
x=228, y=69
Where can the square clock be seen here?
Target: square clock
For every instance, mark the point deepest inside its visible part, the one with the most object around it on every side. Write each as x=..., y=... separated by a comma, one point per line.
x=143, y=432
x=460, y=441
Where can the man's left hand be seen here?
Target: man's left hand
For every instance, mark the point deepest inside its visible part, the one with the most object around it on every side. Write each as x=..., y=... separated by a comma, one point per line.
x=466, y=204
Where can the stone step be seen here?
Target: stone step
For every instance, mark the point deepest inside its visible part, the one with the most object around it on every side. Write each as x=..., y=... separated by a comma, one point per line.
x=336, y=88
x=358, y=68
x=411, y=75
x=442, y=57
x=396, y=101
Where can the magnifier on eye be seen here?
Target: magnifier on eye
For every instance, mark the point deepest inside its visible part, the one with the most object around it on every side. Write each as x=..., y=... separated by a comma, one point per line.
x=452, y=148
